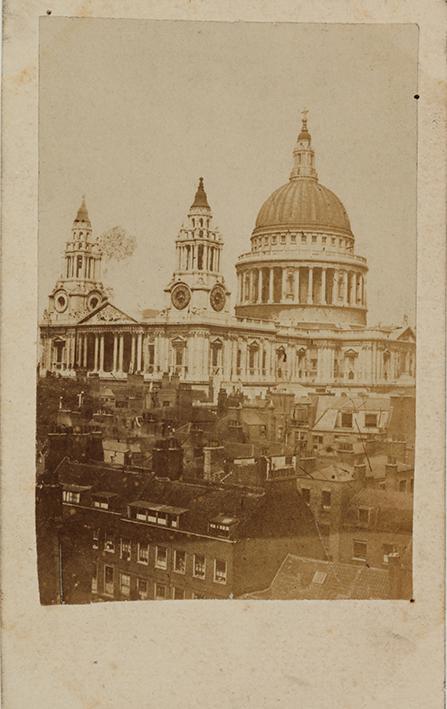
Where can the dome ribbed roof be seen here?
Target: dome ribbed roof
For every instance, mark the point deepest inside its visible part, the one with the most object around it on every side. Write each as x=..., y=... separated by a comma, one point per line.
x=303, y=203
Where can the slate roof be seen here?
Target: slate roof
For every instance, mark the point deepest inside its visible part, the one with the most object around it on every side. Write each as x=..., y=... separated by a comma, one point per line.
x=301, y=578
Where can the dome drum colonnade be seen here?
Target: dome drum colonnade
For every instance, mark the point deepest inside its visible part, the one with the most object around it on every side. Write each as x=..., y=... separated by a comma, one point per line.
x=302, y=252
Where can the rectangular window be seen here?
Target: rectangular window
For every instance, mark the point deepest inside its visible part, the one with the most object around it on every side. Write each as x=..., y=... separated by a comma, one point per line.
x=125, y=584
x=314, y=238
x=359, y=550
x=95, y=578
x=162, y=519
x=152, y=517
x=402, y=486
x=178, y=594
x=160, y=591
x=143, y=553
x=305, y=494
x=109, y=543
x=161, y=557
x=370, y=420
x=293, y=238
x=142, y=589
x=125, y=549
x=364, y=513
x=95, y=540
x=109, y=580
x=72, y=497
x=101, y=504
x=346, y=420
x=180, y=561
x=326, y=499
x=220, y=571
x=303, y=238
x=141, y=515
x=199, y=566
x=174, y=521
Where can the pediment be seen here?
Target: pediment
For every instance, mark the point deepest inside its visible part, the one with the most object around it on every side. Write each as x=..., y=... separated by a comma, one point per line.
x=406, y=335
x=107, y=313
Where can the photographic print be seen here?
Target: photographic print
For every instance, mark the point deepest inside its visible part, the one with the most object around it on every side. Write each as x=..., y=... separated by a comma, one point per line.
x=227, y=310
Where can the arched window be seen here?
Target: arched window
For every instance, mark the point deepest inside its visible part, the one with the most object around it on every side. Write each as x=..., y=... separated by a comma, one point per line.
x=201, y=222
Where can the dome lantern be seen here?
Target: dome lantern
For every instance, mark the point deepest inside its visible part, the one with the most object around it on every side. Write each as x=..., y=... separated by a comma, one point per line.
x=303, y=155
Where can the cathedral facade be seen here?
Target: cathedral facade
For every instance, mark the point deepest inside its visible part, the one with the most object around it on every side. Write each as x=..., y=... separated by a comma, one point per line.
x=300, y=319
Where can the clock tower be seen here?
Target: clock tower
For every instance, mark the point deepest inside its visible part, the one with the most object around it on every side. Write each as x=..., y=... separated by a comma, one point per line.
x=197, y=284
x=79, y=289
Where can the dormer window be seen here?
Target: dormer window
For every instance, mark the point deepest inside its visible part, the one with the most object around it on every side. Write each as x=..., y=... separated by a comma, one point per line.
x=154, y=513
x=221, y=525
x=71, y=497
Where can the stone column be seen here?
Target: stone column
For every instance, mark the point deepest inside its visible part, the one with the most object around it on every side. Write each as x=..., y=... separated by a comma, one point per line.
x=85, y=348
x=297, y=275
x=244, y=359
x=95, y=365
x=120, y=353
x=283, y=285
x=310, y=281
x=270, y=300
x=115, y=353
x=323, y=286
x=259, y=294
x=251, y=297
x=346, y=288
x=101, y=353
x=132, y=353
x=139, y=351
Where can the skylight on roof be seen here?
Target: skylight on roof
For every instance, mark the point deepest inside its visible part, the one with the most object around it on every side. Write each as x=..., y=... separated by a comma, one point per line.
x=319, y=577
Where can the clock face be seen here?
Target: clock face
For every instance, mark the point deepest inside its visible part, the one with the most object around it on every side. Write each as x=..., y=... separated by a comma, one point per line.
x=180, y=296
x=93, y=300
x=218, y=298
x=60, y=301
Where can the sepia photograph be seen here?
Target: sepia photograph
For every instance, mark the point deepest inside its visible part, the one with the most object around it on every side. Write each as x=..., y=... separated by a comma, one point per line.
x=226, y=325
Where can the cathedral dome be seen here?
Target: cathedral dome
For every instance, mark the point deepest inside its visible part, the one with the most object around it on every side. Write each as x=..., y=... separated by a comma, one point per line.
x=303, y=203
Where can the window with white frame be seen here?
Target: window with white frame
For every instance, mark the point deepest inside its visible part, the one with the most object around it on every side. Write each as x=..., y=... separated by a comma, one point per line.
x=143, y=553
x=220, y=571
x=178, y=594
x=179, y=561
x=109, y=580
x=72, y=497
x=101, y=504
x=199, y=566
x=160, y=591
x=125, y=549
x=161, y=557
x=359, y=550
x=125, y=584
x=142, y=589
x=109, y=543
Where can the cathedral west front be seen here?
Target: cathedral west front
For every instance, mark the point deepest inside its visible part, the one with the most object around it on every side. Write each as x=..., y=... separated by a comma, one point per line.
x=300, y=316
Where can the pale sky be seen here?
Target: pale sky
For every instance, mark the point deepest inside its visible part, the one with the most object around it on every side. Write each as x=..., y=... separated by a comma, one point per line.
x=133, y=112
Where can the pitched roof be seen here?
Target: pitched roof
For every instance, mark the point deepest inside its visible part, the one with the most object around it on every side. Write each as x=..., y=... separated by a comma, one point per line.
x=303, y=578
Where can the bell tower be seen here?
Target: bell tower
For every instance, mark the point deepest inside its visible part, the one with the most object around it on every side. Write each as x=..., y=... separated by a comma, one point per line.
x=79, y=289
x=197, y=283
